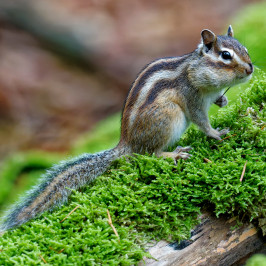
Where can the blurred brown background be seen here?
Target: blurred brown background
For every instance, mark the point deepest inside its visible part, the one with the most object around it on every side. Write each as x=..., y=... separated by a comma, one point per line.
x=66, y=64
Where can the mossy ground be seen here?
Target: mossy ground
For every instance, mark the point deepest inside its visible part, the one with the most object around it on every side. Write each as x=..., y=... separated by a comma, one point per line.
x=152, y=198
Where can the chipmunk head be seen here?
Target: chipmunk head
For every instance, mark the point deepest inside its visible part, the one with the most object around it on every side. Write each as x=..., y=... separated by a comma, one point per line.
x=224, y=61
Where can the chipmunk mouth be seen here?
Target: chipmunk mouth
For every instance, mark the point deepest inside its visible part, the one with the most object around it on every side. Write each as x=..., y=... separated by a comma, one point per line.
x=245, y=78
x=247, y=72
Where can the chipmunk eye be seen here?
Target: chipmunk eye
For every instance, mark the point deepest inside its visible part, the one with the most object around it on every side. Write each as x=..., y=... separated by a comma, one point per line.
x=226, y=55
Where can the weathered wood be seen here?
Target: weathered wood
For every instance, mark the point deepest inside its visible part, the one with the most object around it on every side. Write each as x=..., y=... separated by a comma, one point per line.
x=213, y=242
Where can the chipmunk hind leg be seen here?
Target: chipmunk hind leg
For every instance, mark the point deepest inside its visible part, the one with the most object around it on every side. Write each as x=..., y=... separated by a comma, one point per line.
x=161, y=124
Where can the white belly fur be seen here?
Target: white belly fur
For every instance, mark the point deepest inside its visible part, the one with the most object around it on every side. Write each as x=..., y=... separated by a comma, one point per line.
x=179, y=127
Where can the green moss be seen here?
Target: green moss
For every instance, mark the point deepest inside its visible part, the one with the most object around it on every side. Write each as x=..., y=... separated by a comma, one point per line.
x=257, y=260
x=152, y=198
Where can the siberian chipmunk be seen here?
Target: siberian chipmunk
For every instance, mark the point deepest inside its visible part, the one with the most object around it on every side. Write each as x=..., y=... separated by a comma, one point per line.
x=165, y=98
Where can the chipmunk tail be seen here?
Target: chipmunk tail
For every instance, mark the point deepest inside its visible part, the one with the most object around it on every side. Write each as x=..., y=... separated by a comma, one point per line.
x=56, y=185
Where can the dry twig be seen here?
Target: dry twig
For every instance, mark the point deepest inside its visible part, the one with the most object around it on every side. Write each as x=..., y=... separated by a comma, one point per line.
x=43, y=258
x=70, y=213
x=58, y=252
x=111, y=224
x=207, y=160
x=52, y=249
x=227, y=137
x=243, y=172
x=61, y=250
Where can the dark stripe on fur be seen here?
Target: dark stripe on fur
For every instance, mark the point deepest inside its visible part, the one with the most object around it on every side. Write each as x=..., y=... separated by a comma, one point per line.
x=136, y=88
x=166, y=84
x=158, y=87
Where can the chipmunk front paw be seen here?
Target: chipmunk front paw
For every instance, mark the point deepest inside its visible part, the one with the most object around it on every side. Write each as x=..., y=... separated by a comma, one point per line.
x=223, y=131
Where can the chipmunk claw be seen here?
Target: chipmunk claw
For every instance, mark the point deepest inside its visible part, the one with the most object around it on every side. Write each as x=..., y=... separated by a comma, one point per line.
x=178, y=153
x=181, y=153
x=223, y=131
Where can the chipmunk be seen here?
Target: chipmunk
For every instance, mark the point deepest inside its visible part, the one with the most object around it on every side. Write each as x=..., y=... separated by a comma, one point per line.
x=165, y=98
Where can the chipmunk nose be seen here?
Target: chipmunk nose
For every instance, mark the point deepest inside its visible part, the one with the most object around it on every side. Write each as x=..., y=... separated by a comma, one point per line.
x=249, y=69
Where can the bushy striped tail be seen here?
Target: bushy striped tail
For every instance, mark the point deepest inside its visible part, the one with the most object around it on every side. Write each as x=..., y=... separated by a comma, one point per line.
x=56, y=185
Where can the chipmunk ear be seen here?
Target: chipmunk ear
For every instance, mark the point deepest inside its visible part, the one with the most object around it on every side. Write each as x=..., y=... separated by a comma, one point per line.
x=230, y=31
x=208, y=38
